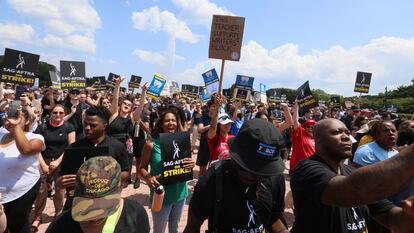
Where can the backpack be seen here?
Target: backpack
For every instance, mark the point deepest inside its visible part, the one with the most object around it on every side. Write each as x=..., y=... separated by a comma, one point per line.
x=219, y=173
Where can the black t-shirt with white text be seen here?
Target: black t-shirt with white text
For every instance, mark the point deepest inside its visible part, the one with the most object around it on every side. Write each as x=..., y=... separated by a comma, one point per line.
x=308, y=181
x=243, y=208
x=133, y=218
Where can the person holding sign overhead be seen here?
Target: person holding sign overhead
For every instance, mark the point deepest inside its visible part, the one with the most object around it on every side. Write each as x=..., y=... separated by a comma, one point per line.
x=303, y=144
x=175, y=194
x=218, y=134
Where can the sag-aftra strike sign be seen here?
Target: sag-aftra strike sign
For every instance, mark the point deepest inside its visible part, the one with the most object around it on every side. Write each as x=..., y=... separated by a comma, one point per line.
x=175, y=147
x=19, y=67
x=72, y=74
x=226, y=37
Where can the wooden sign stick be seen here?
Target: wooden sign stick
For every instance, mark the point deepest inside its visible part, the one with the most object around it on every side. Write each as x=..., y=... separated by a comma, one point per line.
x=221, y=77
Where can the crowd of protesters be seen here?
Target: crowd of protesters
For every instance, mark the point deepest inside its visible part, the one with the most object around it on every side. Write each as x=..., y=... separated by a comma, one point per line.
x=349, y=168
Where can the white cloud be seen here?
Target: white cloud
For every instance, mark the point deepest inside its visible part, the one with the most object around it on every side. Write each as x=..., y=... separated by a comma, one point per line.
x=13, y=32
x=109, y=61
x=69, y=25
x=74, y=41
x=155, y=58
x=199, y=11
x=390, y=59
x=154, y=20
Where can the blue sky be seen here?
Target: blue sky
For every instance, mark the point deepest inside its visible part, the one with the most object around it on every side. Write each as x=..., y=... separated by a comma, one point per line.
x=285, y=42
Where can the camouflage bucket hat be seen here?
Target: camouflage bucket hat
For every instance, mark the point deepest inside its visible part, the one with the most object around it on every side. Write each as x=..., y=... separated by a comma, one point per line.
x=97, y=192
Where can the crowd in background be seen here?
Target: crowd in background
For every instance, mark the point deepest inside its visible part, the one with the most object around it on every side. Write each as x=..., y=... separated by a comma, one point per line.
x=48, y=121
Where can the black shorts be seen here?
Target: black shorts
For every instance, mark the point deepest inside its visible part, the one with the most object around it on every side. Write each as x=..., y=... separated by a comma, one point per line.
x=138, y=146
x=203, y=155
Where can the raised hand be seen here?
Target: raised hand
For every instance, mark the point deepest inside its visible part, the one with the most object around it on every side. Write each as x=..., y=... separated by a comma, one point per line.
x=119, y=80
x=144, y=87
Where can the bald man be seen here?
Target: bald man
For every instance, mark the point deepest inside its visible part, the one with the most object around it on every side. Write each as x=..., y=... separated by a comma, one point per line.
x=328, y=198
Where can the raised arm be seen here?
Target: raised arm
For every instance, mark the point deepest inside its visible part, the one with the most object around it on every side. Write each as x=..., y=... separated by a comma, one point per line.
x=25, y=146
x=93, y=102
x=214, y=118
x=237, y=107
x=72, y=112
x=115, y=97
x=138, y=111
x=288, y=117
x=295, y=117
x=371, y=183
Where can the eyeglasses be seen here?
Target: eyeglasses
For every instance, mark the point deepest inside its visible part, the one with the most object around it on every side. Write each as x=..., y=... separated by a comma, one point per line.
x=127, y=104
x=57, y=113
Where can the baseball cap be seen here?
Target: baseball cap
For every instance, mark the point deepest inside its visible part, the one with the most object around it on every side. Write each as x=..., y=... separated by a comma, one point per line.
x=8, y=91
x=74, y=91
x=97, y=192
x=224, y=119
x=256, y=148
x=355, y=108
x=308, y=122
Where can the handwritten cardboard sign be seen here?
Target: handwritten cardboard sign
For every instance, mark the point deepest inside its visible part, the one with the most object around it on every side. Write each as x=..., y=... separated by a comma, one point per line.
x=226, y=37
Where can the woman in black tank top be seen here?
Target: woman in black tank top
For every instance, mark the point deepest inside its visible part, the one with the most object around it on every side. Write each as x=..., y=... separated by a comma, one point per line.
x=123, y=119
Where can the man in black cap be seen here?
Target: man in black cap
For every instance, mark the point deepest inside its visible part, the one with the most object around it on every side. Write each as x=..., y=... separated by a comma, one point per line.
x=353, y=112
x=246, y=192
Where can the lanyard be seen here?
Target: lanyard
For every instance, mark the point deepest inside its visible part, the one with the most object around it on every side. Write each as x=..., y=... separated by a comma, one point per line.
x=110, y=222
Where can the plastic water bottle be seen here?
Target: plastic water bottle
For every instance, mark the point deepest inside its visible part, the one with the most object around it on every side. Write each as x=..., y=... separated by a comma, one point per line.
x=157, y=198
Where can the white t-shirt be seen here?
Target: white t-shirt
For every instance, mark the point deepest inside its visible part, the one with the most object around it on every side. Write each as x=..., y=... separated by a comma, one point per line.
x=18, y=173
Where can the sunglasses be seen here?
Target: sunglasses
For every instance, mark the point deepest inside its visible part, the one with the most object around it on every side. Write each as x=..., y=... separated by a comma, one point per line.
x=58, y=113
x=127, y=104
x=225, y=117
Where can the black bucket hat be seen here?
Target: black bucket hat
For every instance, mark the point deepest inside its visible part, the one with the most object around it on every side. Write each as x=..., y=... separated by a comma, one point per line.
x=257, y=148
